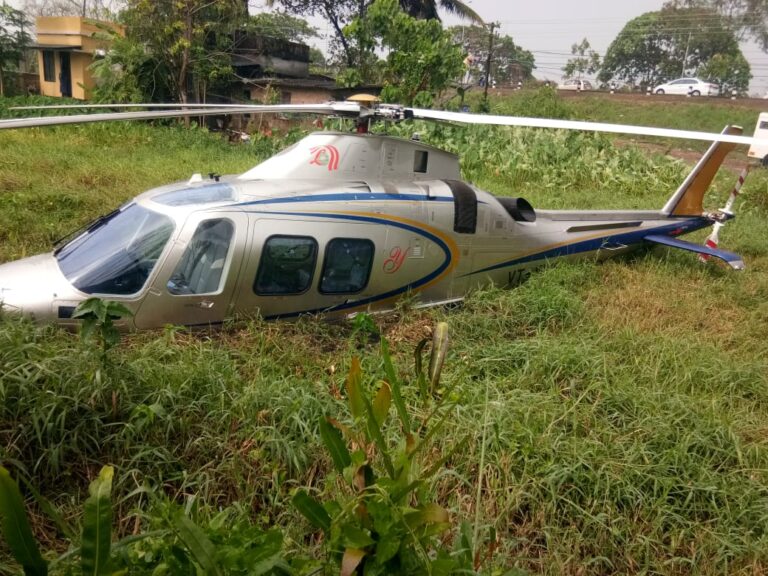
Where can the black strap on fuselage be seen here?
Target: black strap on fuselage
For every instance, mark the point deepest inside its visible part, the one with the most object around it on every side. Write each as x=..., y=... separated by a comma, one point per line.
x=465, y=207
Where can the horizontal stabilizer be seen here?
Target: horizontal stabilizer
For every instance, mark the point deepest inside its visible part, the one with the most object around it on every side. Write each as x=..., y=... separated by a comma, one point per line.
x=733, y=260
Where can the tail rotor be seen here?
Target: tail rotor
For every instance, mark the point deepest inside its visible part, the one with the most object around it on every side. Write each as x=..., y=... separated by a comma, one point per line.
x=723, y=215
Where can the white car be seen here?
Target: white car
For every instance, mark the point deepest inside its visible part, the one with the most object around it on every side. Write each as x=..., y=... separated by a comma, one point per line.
x=692, y=86
x=575, y=85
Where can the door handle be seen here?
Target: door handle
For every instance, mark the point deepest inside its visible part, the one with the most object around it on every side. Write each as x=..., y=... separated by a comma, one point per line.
x=205, y=304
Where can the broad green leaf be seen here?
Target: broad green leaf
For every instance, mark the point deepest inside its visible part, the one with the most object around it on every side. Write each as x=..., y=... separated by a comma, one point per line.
x=420, y=378
x=428, y=514
x=117, y=310
x=354, y=537
x=312, y=510
x=87, y=329
x=346, y=431
x=387, y=546
x=355, y=389
x=196, y=542
x=381, y=403
x=351, y=560
x=375, y=433
x=439, y=352
x=394, y=383
x=97, y=525
x=16, y=530
x=335, y=444
x=91, y=306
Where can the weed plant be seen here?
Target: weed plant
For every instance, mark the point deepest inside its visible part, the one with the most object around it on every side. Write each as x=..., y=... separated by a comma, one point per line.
x=614, y=413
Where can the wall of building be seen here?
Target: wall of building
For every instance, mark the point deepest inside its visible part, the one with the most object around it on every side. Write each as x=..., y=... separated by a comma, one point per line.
x=49, y=88
x=294, y=95
x=86, y=38
x=74, y=31
x=82, y=81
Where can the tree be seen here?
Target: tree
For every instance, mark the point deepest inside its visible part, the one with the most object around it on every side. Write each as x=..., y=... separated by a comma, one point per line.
x=99, y=9
x=671, y=43
x=128, y=72
x=747, y=18
x=13, y=40
x=352, y=51
x=281, y=25
x=190, y=40
x=422, y=58
x=730, y=71
x=510, y=62
x=427, y=9
x=584, y=61
x=338, y=13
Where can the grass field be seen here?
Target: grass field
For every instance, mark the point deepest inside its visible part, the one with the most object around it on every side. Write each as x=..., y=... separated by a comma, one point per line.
x=615, y=415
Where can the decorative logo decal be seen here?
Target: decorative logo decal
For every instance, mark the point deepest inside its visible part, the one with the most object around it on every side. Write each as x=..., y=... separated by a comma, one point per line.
x=325, y=155
x=395, y=260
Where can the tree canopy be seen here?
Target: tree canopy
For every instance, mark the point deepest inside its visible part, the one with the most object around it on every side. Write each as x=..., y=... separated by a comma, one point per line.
x=189, y=40
x=428, y=9
x=510, y=62
x=422, y=58
x=280, y=25
x=584, y=61
x=349, y=49
x=675, y=42
x=747, y=18
x=13, y=39
x=100, y=9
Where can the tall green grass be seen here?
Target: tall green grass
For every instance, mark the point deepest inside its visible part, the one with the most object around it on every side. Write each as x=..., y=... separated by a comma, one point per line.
x=624, y=403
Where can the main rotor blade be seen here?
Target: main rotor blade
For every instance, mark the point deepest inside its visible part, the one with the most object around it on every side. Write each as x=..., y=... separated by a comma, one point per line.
x=344, y=109
x=465, y=118
x=329, y=108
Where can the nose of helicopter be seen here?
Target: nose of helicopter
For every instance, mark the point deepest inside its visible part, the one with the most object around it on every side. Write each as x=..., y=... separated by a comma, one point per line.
x=32, y=285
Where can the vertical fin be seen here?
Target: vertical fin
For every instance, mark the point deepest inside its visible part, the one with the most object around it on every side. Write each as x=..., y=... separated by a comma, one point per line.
x=689, y=197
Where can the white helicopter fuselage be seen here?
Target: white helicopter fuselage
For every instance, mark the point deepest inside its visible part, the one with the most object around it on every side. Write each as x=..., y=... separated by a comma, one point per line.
x=336, y=224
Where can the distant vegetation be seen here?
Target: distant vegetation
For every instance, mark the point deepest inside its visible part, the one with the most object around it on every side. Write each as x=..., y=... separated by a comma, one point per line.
x=610, y=417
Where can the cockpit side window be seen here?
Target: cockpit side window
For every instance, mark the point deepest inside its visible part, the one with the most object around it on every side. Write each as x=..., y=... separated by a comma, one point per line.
x=287, y=265
x=201, y=267
x=116, y=255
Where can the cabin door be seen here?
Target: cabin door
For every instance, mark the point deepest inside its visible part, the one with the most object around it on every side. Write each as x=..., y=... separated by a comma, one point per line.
x=65, y=75
x=297, y=267
x=196, y=283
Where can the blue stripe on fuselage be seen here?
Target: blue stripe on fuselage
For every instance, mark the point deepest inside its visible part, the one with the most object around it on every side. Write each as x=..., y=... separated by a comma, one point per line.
x=349, y=196
x=592, y=244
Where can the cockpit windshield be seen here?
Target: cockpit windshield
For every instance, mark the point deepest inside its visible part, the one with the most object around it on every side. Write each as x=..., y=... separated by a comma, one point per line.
x=116, y=254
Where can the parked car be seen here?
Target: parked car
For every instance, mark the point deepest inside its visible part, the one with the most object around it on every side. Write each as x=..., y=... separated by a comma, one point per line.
x=684, y=86
x=575, y=85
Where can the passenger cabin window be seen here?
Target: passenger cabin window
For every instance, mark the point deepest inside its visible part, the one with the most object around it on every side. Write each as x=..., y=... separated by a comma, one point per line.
x=420, y=158
x=49, y=66
x=287, y=265
x=347, y=266
x=201, y=268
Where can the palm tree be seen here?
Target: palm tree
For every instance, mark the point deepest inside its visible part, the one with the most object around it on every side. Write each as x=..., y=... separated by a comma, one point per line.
x=427, y=9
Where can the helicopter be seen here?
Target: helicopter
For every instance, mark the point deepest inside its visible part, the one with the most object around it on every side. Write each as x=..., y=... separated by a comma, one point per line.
x=336, y=224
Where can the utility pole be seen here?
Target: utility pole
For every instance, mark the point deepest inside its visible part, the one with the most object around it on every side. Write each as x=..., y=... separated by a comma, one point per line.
x=685, y=58
x=492, y=25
